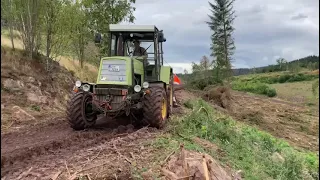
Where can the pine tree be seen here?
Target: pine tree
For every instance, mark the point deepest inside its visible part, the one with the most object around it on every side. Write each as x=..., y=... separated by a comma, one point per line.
x=222, y=46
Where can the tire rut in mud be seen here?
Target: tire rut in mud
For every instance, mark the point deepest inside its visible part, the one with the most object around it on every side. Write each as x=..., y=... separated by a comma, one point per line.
x=52, y=142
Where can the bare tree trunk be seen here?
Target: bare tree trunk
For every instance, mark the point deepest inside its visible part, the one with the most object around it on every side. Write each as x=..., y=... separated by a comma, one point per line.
x=35, y=27
x=49, y=34
x=38, y=41
x=11, y=35
x=226, y=53
x=81, y=47
x=11, y=26
x=81, y=52
x=23, y=32
x=49, y=38
x=48, y=50
x=30, y=41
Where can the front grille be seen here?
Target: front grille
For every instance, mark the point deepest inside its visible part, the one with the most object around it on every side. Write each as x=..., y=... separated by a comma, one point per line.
x=108, y=91
x=116, y=103
x=104, y=94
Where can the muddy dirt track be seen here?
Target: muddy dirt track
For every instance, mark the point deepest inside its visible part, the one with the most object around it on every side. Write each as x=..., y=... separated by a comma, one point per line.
x=106, y=151
x=40, y=152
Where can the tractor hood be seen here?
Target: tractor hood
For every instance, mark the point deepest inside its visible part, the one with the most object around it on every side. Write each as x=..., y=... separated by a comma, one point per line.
x=117, y=70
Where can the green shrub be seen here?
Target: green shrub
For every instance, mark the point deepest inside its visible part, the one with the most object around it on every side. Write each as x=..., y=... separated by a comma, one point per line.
x=36, y=108
x=257, y=88
x=203, y=83
x=199, y=84
x=188, y=104
x=271, y=92
x=283, y=78
x=302, y=77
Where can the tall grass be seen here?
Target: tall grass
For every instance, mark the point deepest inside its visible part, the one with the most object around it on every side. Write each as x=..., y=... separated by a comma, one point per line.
x=280, y=78
x=257, y=88
x=315, y=88
x=87, y=73
x=244, y=147
x=202, y=83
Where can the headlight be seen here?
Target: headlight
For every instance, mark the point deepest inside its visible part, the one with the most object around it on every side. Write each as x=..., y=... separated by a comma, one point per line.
x=78, y=83
x=137, y=88
x=86, y=87
x=145, y=85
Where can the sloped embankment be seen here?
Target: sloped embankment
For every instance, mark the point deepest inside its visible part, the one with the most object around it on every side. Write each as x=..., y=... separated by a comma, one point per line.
x=29, y=93
x=296, y=124
x=257, y=154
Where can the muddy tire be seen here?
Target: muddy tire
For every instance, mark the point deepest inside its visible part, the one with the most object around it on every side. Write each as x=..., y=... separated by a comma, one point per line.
x=80, y=114
x=155, y=108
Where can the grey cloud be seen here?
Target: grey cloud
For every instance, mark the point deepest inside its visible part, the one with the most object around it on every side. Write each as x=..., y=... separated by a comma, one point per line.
x=264, y=29
x=299, y=16
x=185, y=53
x=252, y=10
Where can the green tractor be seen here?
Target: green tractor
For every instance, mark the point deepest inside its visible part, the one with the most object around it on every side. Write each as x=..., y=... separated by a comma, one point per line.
x=134, y=86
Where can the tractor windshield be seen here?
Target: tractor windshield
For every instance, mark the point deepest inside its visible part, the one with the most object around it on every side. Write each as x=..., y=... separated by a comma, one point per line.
x=122, y=45
x=149, y=46
x=145, y=47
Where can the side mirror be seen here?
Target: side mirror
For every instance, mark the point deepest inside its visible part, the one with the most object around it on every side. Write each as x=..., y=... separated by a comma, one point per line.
x=97, y=38
x=161, y=37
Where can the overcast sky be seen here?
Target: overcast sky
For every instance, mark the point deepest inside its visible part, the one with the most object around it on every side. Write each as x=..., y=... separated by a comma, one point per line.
x=265, y=30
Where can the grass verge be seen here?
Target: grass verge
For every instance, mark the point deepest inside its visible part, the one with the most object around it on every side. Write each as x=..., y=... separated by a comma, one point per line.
x=257, y=88
x=258, y=154
x=279, y=78
x=315, y=88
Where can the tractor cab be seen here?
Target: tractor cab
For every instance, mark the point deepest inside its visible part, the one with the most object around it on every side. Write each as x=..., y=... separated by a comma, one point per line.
x=121, y=43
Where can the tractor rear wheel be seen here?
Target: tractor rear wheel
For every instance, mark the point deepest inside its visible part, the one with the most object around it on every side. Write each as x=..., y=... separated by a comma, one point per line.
x=155, y=107
x=80, y=113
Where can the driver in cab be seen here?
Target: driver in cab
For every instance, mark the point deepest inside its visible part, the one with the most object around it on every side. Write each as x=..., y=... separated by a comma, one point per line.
x=140, y=51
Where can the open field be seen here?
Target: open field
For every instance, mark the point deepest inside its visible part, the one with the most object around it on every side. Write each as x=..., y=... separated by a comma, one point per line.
x=299, y=92
x=297, y=124
x=292, y=114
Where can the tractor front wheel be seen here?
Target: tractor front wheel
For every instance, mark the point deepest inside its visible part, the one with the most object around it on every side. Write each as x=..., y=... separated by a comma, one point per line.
x=80, y=113
x=155, y=107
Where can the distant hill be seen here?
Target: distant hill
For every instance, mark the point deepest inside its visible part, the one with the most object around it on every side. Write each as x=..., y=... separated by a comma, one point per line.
x=306, y=62
x=311, y=62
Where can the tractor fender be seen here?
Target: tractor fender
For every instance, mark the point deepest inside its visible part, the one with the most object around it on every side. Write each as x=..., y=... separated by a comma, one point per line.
x=158, y=84
x=165, y=74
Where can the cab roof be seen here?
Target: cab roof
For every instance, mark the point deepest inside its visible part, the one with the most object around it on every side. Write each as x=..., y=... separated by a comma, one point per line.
x=132, y=28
